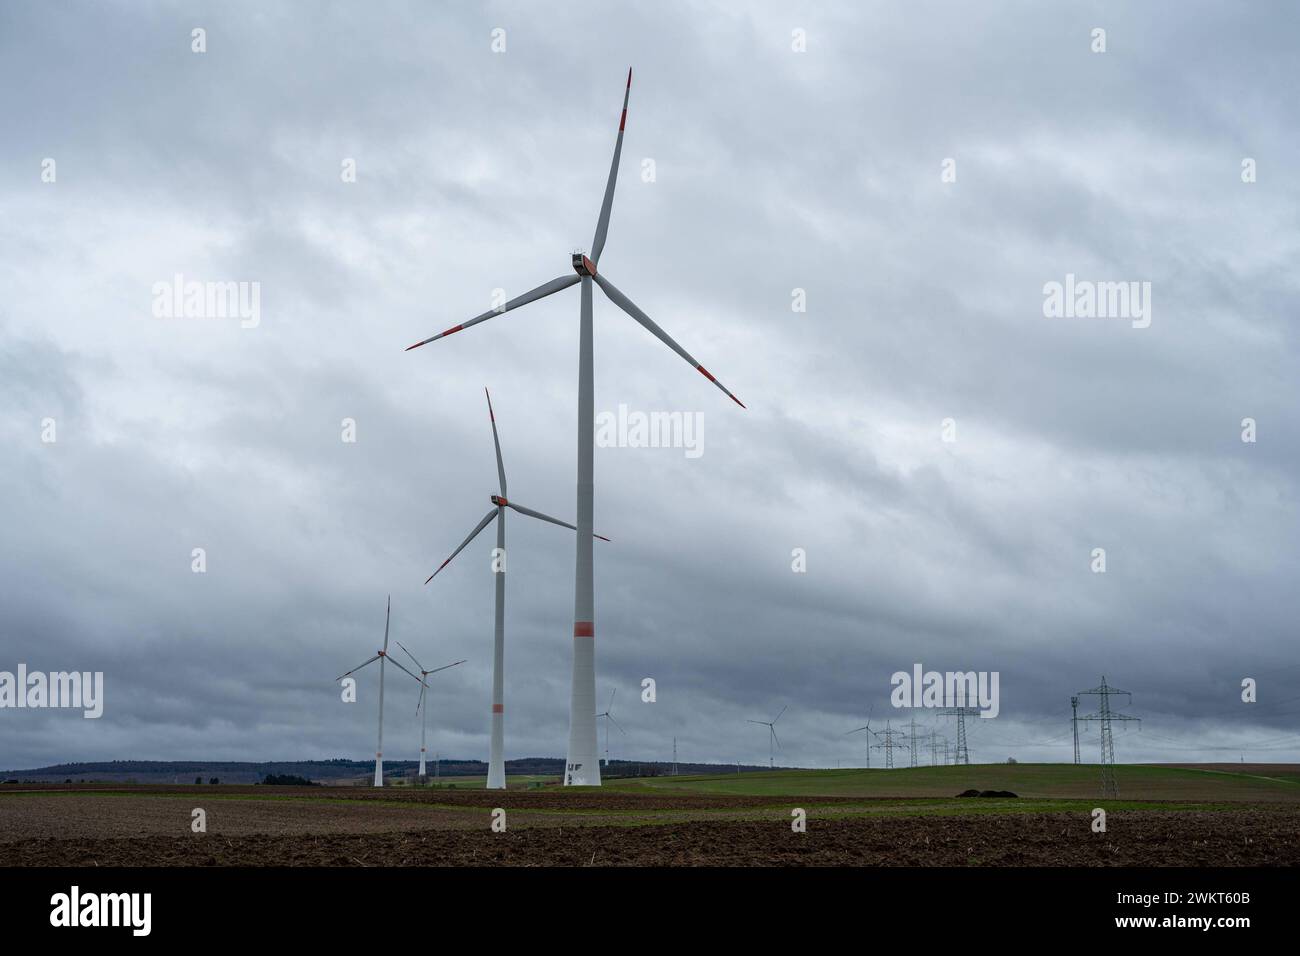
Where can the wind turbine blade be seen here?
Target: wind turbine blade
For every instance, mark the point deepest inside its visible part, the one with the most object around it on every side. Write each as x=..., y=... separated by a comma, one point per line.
x=387, y=614
x=501, y=467
x=617, y=724
x=409, y=654
x=537, y=514
x=607, y=204
x=420, y=703
x=611, y=699
x=778, y=716
x=400, y=666
x=857, y=730
x=776, y=738
x=472, y=535
x=628, y=306
x=443, y=667
x=547, y=288
x=358, y=667
x=763, y=722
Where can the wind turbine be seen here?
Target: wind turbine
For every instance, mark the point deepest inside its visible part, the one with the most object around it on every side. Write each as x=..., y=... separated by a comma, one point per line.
x=496, y=779
x=871, y=733
x=582, y=766
x=419, y=707
x=609, y=716
x=381, y=656
x=771, y=726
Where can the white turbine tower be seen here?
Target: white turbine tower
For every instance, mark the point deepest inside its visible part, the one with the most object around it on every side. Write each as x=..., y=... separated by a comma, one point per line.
x=582, y=765
x=382, y=657
x=496, y=779
x=420, y=708
x=609, y=717
x=771, y=727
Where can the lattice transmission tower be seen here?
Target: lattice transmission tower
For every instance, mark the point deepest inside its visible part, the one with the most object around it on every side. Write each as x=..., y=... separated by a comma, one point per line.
x=962, y=755
x=1109, y=786
x=887, y=743
x=913, y=741
x=1074, y=722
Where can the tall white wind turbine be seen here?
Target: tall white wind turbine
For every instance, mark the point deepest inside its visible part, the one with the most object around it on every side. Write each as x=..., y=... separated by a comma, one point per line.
x=582, y=765
x=496, y=779
x=420, y=707
x=772, y=739
x=382, y=657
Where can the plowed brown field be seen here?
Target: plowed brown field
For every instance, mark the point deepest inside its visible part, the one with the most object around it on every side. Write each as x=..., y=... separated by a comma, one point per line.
x=395, y=828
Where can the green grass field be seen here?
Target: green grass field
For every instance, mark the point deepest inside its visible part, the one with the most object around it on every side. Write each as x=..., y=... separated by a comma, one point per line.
x=1042, y=781
x=1279, y=783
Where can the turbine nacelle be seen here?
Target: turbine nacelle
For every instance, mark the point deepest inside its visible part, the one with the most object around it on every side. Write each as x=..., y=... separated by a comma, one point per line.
x=500, y=501
x=582, y=265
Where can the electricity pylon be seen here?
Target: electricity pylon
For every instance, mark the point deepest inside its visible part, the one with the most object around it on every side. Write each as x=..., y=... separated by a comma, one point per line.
x=1074, y=722
x=887, y=743
x=912, y=740
x=1109, y=787
x=962, y=755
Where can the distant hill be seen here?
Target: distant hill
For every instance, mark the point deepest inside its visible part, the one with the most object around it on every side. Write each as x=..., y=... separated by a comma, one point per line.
x=336, y=771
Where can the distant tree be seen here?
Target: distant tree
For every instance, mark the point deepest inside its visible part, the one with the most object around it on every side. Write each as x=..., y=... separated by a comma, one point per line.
x=1011, y=760
x=214, y=781
x=198, y=780
x=286, y=780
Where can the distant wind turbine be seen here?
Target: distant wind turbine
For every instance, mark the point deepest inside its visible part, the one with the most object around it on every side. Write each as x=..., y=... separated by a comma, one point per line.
x=773, y=739
x=582, y=766
x=609, y=717
x=381, y=656
x=870, y=733
x=496, y=779
x=420, y=708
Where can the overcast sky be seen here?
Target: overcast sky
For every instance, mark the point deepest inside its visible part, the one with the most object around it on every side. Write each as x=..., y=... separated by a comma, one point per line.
x=774, y=170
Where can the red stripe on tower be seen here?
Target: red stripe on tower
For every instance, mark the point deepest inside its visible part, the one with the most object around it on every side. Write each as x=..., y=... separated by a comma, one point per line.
x=584, y=629
x=498, y=709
